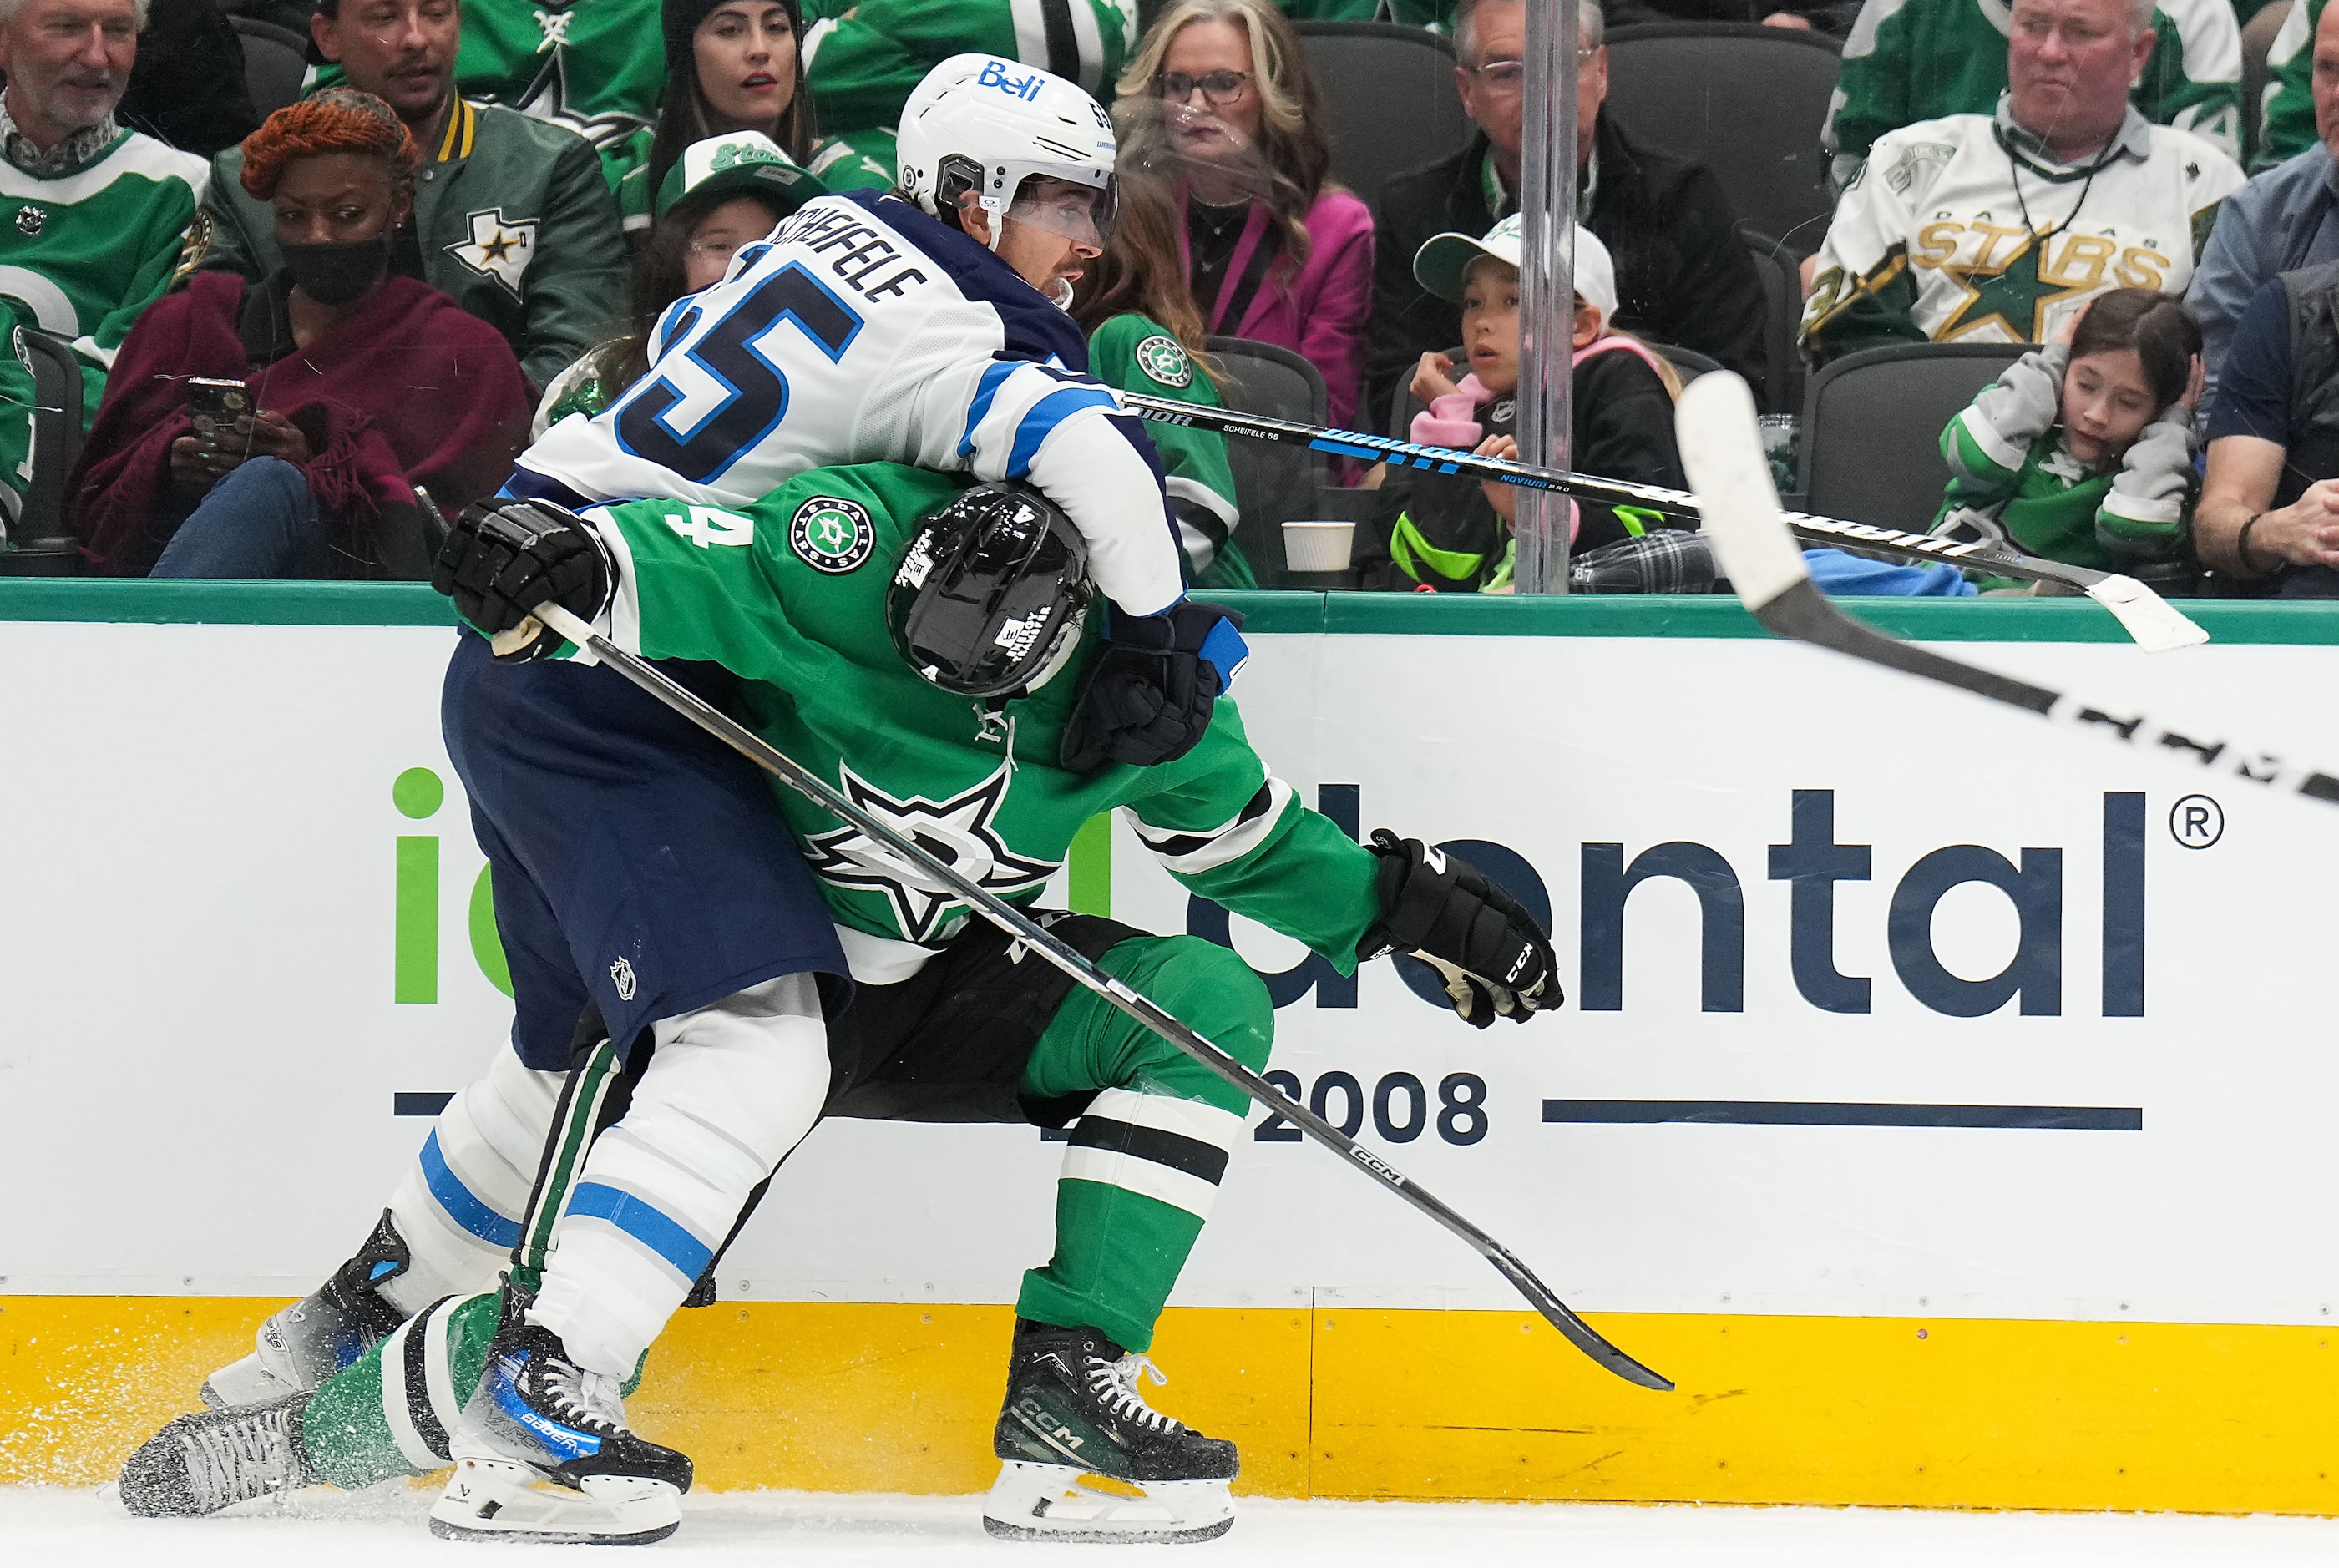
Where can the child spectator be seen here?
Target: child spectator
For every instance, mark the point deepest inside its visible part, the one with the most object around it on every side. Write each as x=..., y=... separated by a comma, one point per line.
x=361, y=383
x=731, y=65
x=2084, y=453
x=1145, y=335
x=1455, y=534
x=723, y=192
x=1220, y=102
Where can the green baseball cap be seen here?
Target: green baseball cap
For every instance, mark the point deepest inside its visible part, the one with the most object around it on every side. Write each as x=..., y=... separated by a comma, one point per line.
x=742, y=163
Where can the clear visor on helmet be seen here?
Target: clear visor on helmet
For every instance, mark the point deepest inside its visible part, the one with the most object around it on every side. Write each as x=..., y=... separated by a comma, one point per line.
x=1080, y=214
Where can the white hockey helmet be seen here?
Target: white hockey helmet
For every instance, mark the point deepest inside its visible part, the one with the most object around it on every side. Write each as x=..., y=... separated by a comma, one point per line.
x=983, y=123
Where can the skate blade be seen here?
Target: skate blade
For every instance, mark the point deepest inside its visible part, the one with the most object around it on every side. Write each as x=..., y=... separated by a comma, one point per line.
x=1033, y=1502
x=503, y=1500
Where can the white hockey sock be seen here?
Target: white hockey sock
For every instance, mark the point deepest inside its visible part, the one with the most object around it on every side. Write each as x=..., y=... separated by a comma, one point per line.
x=731, y=1089
x=459, y=1205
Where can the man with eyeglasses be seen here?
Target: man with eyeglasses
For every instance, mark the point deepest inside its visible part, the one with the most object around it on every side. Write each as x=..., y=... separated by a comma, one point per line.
x=1682, y=276
x=512, y=216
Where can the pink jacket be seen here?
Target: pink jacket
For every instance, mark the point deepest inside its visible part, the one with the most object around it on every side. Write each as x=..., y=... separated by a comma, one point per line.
x=1318, y=314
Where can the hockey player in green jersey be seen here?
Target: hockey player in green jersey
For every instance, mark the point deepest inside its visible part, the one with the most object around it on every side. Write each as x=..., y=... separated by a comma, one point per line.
x=958, y=616
x=1911, y=60
x=864, y=59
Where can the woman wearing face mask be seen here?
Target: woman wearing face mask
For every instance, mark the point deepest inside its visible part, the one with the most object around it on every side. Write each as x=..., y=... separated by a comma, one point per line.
x=731, y=65
x=1220, y=99
x=724, y=193
x=362, y=384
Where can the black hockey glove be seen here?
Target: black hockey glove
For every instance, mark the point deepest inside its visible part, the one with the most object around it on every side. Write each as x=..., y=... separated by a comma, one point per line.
x=1494, y=958
x=1148, y=696
x=503, y=559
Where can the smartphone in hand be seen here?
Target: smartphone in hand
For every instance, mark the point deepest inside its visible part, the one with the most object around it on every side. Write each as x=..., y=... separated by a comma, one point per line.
x=221, y=411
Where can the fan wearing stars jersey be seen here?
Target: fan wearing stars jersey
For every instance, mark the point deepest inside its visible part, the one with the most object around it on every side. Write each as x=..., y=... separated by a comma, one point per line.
x=2000, y=228
x=923, y=327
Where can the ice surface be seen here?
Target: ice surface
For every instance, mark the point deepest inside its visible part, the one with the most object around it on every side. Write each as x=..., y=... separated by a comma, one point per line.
x=40, y=1526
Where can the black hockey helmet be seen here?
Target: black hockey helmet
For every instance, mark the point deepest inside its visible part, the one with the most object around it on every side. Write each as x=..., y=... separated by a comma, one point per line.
x=989, y=591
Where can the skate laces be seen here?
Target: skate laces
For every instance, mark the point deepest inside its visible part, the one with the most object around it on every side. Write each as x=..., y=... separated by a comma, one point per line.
x=234, y=1461
x=1116, y=1384
x=589, y=1399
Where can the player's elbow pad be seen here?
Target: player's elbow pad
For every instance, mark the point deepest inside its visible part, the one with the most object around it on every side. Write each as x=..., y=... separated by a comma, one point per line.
x=1112, y=498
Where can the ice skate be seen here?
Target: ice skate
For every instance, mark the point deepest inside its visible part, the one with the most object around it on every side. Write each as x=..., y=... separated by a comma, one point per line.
x=544, y=1454
x=308, y=1341
x=1087, y=1459
x=203, y=1462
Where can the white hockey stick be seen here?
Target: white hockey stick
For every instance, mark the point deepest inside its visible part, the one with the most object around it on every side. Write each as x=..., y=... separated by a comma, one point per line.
x=2156, y=625
x=1722, y=450
x=1038, y=939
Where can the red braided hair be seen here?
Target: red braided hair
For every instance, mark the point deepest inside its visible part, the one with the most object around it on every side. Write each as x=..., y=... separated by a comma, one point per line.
x=336, y=120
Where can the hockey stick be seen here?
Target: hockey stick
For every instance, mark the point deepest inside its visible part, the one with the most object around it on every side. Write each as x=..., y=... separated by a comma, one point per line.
x=2156, y=625
x=1722, y=451
x=1025, y=930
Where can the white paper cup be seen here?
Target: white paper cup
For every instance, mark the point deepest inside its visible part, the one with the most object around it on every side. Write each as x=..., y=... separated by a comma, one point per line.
x=1317, y=547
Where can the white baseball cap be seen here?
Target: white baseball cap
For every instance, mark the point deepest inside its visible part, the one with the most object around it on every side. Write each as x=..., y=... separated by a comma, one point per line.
x=1444, y=260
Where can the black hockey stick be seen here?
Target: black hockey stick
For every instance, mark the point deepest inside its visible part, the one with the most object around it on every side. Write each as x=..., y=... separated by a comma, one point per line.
x=1025, y=930
x=1722, y=451
x=2156, y=625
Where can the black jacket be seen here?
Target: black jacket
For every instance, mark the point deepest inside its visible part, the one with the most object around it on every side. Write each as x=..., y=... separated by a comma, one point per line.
x=1683, y=275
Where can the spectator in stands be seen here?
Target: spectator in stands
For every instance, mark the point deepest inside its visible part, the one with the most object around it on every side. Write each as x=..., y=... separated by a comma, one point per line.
x=1682, y=275
x=1999, y=228
x=99, y=217
x=363, y=384
x=2269, y=509
x=2289, y=125
x=723, y=192
x=2283, y=219
x=187, y=89
x=1219, y=101
x=511, y=215
x=731, y=65
x=1911, y=60
x=1454, y=534
x=587, y=66
x=862, y=58
x=1145, y=335
x=2083, y=452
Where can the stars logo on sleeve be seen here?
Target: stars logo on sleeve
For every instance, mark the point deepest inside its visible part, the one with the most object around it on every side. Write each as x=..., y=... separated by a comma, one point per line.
x=832, y=535
x=960, y=832
x=500, y=248
x=1163, y=358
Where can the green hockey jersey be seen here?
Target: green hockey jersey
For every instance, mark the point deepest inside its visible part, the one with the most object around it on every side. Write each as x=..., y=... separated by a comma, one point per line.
x=789, y=594
x=1134, y=353
x=2287, y=127
x=1911, y=60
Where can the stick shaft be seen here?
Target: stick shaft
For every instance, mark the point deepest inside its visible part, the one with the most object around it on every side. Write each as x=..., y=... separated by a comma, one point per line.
x=1083, y=972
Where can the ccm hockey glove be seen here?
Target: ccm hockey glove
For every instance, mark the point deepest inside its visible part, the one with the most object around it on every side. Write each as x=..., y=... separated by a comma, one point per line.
x=500, y=561
x=1148, y=695
x=1494, y=958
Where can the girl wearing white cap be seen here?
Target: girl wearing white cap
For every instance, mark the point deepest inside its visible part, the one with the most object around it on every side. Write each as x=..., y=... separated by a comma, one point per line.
x=1454, y=534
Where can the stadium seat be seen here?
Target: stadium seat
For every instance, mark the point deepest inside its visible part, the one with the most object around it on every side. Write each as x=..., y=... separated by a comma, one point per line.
x=275, y=62
x=1389, y=91
x=39, y=545
x=1273, y=484
x=1872, y=425
x=1782, y=294
x=1744, y=100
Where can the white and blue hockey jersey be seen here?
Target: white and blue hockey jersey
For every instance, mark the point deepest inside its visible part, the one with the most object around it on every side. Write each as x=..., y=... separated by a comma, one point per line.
x=865, y=331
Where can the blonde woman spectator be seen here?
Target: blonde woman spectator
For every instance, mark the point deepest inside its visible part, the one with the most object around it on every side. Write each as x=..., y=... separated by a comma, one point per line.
x=1219, y=100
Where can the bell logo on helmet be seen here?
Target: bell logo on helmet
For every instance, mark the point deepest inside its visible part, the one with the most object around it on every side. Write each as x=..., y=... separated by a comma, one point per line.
x=1163, y=358
x=1027, y=88
x=832, y=535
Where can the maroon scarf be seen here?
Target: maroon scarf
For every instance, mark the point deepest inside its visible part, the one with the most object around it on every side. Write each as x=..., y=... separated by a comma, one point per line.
x=408, y=390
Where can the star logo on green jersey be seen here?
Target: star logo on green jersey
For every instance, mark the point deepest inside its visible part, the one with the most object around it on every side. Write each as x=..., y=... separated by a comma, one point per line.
x=1163, y=358
x=832, y=535
x=2015, y=297
x=960, y=832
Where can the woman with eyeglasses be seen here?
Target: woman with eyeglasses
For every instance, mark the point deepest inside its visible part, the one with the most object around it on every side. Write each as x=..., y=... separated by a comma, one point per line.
x=1220, y=101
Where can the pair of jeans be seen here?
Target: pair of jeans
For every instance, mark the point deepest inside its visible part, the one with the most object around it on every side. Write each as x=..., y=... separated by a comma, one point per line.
x=258, y=521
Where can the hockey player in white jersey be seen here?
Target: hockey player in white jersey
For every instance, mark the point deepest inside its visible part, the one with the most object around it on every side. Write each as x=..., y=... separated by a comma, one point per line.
x=928, y=331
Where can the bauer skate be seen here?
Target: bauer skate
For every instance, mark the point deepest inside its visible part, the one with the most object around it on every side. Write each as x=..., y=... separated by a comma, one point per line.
x=203, y=1462
x=543, y=1452
x=1085, y=1458
x=313, y=1339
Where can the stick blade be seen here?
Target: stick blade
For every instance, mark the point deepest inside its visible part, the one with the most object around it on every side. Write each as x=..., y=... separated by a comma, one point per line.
x=2158, y=626
x=1721, y=450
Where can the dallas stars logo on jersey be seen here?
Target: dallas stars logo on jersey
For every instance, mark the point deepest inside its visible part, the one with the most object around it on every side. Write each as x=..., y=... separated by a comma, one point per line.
x=831, y=535
x=500, y=247
x=957, y=832
x=1164, y=359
